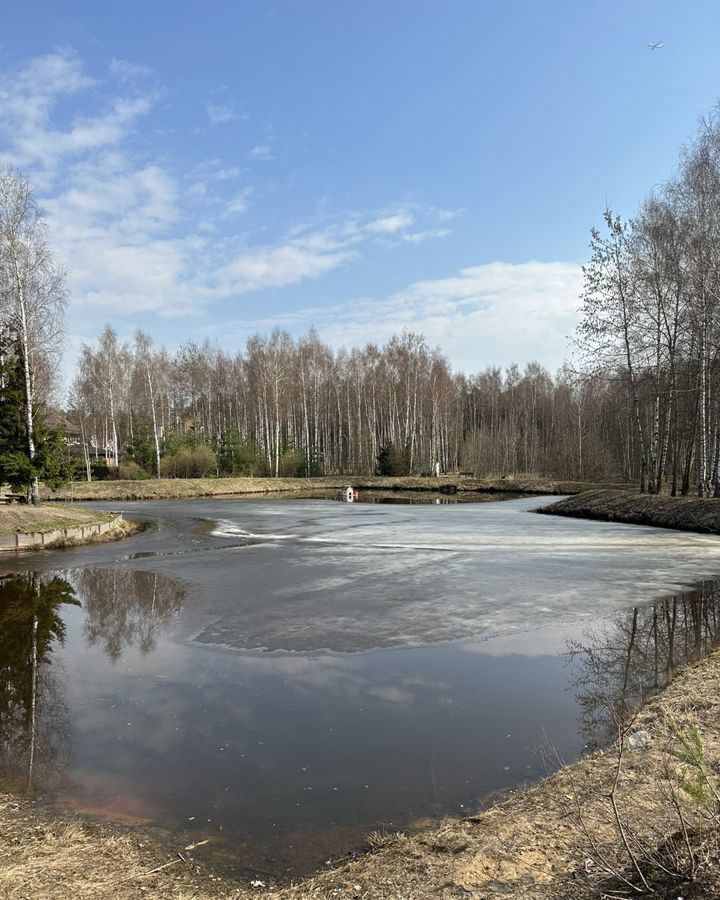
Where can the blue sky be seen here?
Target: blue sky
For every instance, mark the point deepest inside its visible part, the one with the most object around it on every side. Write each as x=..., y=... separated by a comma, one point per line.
x=212, y=170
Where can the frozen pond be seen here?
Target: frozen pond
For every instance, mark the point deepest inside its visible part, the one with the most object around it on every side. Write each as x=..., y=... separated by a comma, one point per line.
x=283, y=676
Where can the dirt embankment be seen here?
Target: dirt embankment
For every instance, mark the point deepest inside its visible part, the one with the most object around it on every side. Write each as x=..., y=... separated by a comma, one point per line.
x=178, y=488
x=30, y=527
x=28, y=519
x=684, y=513
x=591, y=829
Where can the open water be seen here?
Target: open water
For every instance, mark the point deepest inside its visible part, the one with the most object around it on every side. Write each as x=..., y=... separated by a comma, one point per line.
x=280, y=677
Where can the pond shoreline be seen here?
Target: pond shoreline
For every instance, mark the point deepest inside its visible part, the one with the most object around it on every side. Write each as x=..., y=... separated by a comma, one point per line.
x=179, y=488
x=550, y=840
x=73, y=536
x=535, y=843
x=31, y=528
x=700, y=514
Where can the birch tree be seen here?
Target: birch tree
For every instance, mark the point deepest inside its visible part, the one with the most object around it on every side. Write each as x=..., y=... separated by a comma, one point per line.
x=32, y=291
x=144, y=359
x=611, y=333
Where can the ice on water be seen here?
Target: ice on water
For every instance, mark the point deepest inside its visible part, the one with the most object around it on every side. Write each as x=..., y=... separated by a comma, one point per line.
x=336, y=576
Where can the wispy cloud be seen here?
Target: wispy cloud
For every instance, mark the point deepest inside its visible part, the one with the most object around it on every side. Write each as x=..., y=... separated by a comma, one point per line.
x=28, y=97
x=139, y=233
x=487, y=314
x=219, y=115
x=258, y=268
x=490, y=314
x=128, y=72
x=225, y=173
x=391, y=224
x=417, y=237
x=262, y=151
x=238, y=204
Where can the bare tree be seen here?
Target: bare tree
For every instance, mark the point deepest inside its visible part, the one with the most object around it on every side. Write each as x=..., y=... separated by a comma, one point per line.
x=32, y=292
x=611, y=334
x=144, y=359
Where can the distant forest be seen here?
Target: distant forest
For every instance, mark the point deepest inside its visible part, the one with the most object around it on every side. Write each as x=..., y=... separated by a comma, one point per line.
x=639, y=399
x=285, y=407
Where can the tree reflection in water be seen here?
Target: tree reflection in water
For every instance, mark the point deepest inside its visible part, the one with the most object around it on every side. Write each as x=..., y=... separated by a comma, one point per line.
x=33, y=717
x=126, y=608
x=638, y=654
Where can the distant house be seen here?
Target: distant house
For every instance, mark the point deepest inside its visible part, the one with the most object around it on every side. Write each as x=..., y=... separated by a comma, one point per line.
x=97, y=452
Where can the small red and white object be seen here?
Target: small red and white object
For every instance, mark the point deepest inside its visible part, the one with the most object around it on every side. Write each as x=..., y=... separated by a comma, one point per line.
x=348, y=494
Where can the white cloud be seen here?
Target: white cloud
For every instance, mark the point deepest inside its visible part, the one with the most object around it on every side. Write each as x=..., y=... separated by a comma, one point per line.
x=278, y=266
x=135, y=232
x=491, y=314
x=113, y=279
x=127, y=72
x=262, y=151
x=239, y=203
x=418, y=237
x=395, y=226
x=219, y=114
x=28, y=94
x=391, y=224
x=226, y=173
x=114, y=227
x=26, y=101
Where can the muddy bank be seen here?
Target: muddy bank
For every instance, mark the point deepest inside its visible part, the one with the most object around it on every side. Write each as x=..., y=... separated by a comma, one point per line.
x=682, y=513
x=169, y=488
x=646, y=809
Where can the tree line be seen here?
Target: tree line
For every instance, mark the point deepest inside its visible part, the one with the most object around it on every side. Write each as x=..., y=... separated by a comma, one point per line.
x=290, y=407
x=650, y=320
x=640, y=399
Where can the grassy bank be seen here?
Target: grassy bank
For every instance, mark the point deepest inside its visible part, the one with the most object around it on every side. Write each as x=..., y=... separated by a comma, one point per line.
x=171, y=488
x=613, y=817
x=28, y=519
x=684, y=513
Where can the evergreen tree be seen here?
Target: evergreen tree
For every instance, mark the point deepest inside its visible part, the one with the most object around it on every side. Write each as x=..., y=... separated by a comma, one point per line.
x=393, y=460
x=50, y=463
x=141, y=449
x=53, y=465
x=237, y=455
x=15, y=466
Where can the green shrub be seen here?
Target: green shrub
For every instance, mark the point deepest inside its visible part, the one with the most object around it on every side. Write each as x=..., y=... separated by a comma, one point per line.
x=189, y=462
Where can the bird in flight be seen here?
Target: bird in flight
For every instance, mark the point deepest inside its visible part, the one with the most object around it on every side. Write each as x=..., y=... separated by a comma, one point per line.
x=656, y=46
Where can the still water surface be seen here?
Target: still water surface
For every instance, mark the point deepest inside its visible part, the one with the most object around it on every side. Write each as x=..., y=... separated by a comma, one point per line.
x=283, y=677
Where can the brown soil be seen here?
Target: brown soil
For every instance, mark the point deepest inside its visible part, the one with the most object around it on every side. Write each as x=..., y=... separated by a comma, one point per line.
x=684, y=513
x=551, y=841
x=168, y=488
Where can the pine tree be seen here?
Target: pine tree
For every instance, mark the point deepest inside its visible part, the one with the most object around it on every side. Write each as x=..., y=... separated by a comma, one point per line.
x=16, y=468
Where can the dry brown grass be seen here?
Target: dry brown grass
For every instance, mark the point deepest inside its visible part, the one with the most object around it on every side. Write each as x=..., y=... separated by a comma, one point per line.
x=58, y=859
x=534, y=845
x=537, y=843
x=24, y=518
x=170, y=488
x=685, y=513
